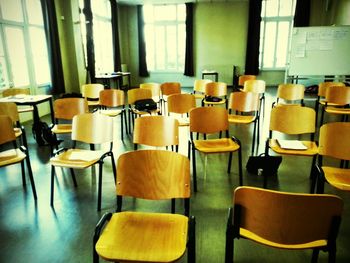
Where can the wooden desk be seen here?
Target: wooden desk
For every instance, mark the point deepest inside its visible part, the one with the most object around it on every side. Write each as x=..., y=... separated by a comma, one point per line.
x=107, y=78
x=210, y=73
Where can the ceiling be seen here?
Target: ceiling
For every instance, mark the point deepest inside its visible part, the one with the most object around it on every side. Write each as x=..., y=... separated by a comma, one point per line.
x=139, y=2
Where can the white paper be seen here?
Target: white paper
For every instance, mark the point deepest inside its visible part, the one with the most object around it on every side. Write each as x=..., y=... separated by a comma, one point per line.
x=85, y=155
x=291, y=144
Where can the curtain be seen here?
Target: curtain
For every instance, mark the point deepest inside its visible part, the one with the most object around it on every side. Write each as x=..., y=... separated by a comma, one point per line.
x=54, y=50
x=253, y=39
x=89, y=40
x=189, y=68
x=143, y=71
x=115, y=35
x=302, y=13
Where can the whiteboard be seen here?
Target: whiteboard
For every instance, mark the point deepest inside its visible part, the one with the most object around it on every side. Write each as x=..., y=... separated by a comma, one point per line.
x=320, y=51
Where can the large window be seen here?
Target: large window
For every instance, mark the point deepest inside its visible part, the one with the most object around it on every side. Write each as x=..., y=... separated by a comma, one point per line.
x=275, y=32
x=23, y=49
x=102, y=30
x=165, y=36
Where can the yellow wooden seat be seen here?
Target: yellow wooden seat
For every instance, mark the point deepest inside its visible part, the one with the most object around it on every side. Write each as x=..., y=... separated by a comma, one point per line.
x=256, y=86
x=133, y=236
x=14, y=155
x=244, y=109
x=167, y=89
x=91, y=92
x=217, y=90
x=155, y=90
x=179, y=106
x=112, y=103
x=284, y=220
x=199, y=88
x=18, y=92
x=156, y=131
x=211, y=120
x=288, y=93
x=293, y=120
x=334, y=143
x=90, y=128
x=243, y=78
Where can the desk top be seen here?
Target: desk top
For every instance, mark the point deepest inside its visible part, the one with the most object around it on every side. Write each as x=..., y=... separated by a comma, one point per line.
x=112, y=75
x=26, y=99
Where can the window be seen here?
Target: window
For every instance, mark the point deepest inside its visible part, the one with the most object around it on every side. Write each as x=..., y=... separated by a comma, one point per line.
x=24, y=58
x=165, y=36
x=102, y=30
x=275, y=32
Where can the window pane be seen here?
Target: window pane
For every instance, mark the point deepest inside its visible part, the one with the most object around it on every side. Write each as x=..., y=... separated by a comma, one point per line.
x=3, y=70
x=160, y=48
x=17, y=56
x=164, y=12
x=272, y=8
x=269, y=46
x=12, y=10
x=101, y=8
x=181, y=46
x=103, y=46
x=40, y=56
x=282, y=44
x=181, y=12
x=149, y=38
x=171, y=47
x=148, y=13
x=34, y=11
x=286, y=8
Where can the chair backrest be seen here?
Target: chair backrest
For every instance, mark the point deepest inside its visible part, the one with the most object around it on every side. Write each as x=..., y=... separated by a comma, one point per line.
x=153, y=175
x=153, y=87
x=254, y=85
x=217, y=89
x=334, y=140
x=290, y=91
x=338, y=95
x=15, y=91
x=244, y=101
x=292, y=119
x=208, y=120
x=138, y=94
x=181, y=103
x=157, y=131
x=10, y=109
x=168, y=88
x=92, y=128
x=92, y=90
x=286, y=218
x=112, y=98
x=67, y=108
x=243, y=78
x=322, y=87
x=7, y=133
x=199, y=85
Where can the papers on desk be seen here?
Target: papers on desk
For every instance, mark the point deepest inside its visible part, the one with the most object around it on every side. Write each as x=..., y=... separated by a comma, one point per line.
x=84, y=155
x=291, y=144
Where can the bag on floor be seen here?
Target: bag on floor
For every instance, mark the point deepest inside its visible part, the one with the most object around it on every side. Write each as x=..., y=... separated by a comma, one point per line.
x=264, y=163
x=43, y=135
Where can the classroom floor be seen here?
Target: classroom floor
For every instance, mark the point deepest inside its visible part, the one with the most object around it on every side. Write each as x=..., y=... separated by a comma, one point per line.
x=35, y=232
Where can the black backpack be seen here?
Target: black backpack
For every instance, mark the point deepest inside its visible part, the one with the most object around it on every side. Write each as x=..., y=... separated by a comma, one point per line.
x=43, y=135
x=145, y=105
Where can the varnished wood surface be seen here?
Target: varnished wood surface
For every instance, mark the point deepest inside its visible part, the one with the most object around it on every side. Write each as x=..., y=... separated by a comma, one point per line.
x=168, y=88
x=144, y=237
x=243, y=78
x=138, y=94
x=216, y=145
x=244, y=101
x=200, y=84
x=286, y=220
x=165, y=175
x=290, y=92
x=67, y=108
x=311, y=150
x=7, y=133
x=181, y=103
x=92, y=90
x=322, y=87
x=339, y=95
x=64, y=159
x=254, y=85
x=10, y=109
x=112, y=98
x=337, y=177
x=208, y=119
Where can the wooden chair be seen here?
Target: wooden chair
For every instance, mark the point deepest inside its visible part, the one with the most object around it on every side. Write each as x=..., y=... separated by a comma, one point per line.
x=244, y=109
x=14, y=155
x=337, y=101
x=290, y=94
x=133, y=236
x=334, y=143
x=257, y=86
x=10, y=109
x=91, y=92
x=321, y=94
x=169, y=88
x=293, y=120
x=18, y=91
x=90, y=128
x=199, y=88
x=243, y=78
x=210, y=120
x=156, y=131
x=155, y=89
x=134, y=95
x=284, y=220
x=217, y=90
x=180, y=105
x=112, y=103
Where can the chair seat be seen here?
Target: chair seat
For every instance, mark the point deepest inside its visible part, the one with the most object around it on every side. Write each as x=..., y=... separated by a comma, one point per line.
x=143, y=237
x=241, y=119
x=156, y=111
x=76, y=158
x=22, y=109
x=249, y=235
x=323, y=102
x=334, y=110
x=223, y=101
x=312, y=148
x=11, y=156
x=18, y=132
x=93, y=102
x=338, y=177
x=111, y=112
x=216, y=145
x=62, y=128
